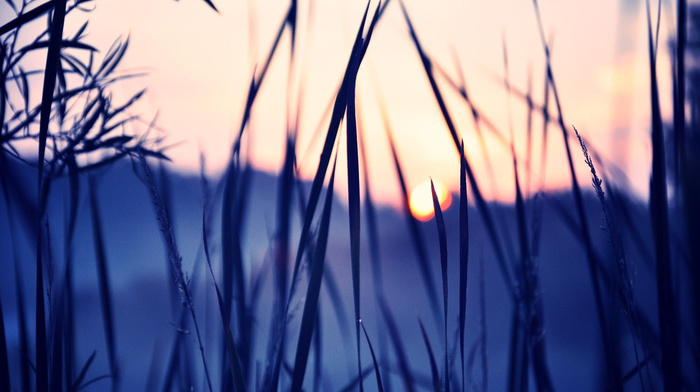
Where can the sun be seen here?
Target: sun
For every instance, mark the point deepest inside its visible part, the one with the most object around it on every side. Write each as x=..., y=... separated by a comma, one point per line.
x=421, y=200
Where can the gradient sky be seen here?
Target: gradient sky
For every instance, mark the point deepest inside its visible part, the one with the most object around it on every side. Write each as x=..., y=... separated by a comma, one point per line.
x=199, y=65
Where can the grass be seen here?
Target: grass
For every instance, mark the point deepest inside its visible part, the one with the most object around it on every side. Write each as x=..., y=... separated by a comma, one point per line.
x=80, y=132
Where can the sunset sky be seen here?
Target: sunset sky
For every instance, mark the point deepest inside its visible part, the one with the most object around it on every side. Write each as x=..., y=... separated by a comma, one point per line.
x=199, y=65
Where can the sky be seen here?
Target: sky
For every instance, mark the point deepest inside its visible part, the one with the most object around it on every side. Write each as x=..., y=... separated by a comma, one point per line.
x=199, y=63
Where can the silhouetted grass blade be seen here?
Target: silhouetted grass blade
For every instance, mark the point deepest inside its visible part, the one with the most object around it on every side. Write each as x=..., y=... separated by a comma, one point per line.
x=608, y=345
x=28, y=16
x=414, y=230
x=313, y=290
x=526, y=276
x=463, y=256
x=354, y=191
x=658, y=199
x=83, y=372
x=442, y=235
x=623, y=284
x=211, y=4
x=50, y=71
x=481, y=204
x=4, y=363
x=435, y=374
x=237, y=374
x=380, y=386
x=337, y=115
x=401, y=357
x=57, y=345
x=180, y=279
x=104, y=282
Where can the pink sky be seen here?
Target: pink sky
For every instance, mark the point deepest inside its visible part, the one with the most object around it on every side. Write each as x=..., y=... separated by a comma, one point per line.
x=199, y=65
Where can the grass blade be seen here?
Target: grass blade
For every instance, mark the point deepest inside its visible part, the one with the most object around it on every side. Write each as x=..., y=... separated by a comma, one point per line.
x=313, y=291
x=53, y=59
x=414, y=230
x=50, y=71
x=337, y=115
x=433, y=365
x=104, y=284
x=608, y=344
x=28, y=16
x=623, y=282
x=83, y=372
x=440, y=221
x=353, y=383
x=481, y=204
x=354, y=187
x=180, y=279
x=668, y=316
x=404, y=368
x=526, y=276
x=69, y=319
x=482, y=328
x=42, y=361
x=5, y=181
x=4, y=363
x=380, y=386
x=463, y=256
x=57, y=343
x=237, y=374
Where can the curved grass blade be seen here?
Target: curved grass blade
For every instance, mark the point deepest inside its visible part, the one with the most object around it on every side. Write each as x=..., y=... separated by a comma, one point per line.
x=380, y=386
x=481, y=204
x=353, y=383
x=433, y=365
x=414, y=230
x=404, y=368
x=331, y=136
x=442, y=235
x=313, y=291
x=83, y=371
x=373, y=242
x=608, y=344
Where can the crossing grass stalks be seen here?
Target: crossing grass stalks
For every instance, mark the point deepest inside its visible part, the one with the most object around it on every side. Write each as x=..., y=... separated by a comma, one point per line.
x=88, y=140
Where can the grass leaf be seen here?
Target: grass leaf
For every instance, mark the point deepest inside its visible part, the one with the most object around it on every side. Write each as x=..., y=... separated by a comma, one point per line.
x=442, y=235
x=4, y=363
x=463, y=256
x=433, y=365
x=380, y=386
x=104, y=281
x=312, y=294
x=28, y=16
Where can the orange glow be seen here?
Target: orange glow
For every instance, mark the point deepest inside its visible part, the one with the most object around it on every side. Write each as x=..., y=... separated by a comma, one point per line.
x=421, y=200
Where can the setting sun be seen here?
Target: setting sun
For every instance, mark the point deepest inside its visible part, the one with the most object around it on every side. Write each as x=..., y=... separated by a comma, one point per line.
x=421, y=200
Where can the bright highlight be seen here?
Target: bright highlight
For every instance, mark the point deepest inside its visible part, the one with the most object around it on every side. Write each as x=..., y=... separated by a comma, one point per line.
x=421, y=200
